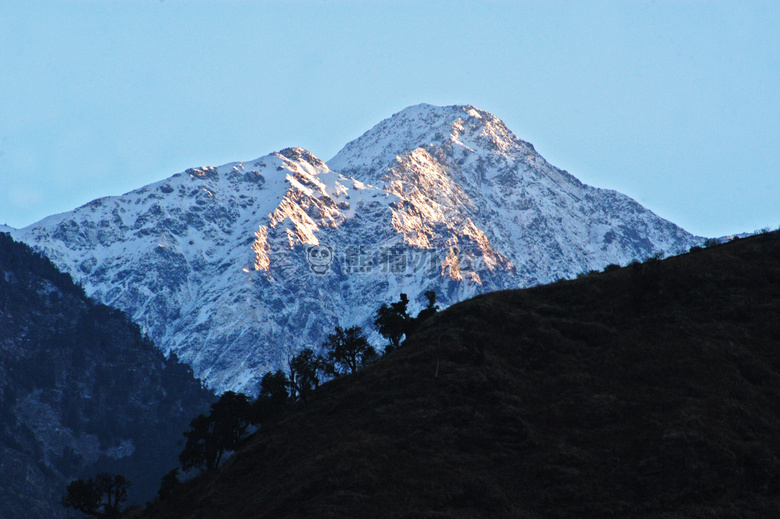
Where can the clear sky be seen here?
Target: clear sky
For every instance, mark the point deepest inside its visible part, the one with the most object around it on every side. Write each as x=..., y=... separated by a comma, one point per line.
x=676, y=104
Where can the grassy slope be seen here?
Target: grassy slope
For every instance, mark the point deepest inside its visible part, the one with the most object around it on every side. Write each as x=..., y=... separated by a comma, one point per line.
x=650, y=391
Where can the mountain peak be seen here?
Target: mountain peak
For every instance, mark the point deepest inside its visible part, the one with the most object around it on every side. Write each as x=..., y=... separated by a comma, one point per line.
x=411, y=128
x=301, y=154
x=459, y=126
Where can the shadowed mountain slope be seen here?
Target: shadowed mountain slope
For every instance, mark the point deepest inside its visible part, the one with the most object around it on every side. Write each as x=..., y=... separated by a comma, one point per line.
x=81, y=391
x=647, y=391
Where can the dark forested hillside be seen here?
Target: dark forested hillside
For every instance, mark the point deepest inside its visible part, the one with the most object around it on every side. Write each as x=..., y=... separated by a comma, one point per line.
x=81, y=391
x=647, y=391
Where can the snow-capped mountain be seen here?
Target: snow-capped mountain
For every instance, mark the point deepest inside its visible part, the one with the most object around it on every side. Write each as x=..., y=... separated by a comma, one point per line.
x=235, y=268
x=545, y=221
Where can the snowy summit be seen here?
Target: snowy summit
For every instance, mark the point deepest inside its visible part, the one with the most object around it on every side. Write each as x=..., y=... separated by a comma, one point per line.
x=237, y=267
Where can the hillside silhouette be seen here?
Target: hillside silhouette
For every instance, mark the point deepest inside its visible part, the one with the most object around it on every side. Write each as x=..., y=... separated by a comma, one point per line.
x=651, y=390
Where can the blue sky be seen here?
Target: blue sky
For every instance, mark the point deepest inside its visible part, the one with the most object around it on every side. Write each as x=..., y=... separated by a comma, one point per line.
x=676, y=104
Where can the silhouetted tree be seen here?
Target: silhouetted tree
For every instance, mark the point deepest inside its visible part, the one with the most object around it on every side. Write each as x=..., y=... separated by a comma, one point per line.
x=99, y=497
x=210, y=436
x=430, y=309
x=394, y=322
x=274, y=395
x=200, y=451
x=231, y=414
x=347, y=351
x=304, y=373
x=168, y=484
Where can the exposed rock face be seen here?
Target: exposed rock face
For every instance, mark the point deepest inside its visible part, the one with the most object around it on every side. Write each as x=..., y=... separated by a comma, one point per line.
x=237, y=267
x=81, y=391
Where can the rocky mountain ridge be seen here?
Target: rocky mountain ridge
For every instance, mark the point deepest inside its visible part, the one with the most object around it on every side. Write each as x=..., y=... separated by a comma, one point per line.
x=237, y=267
